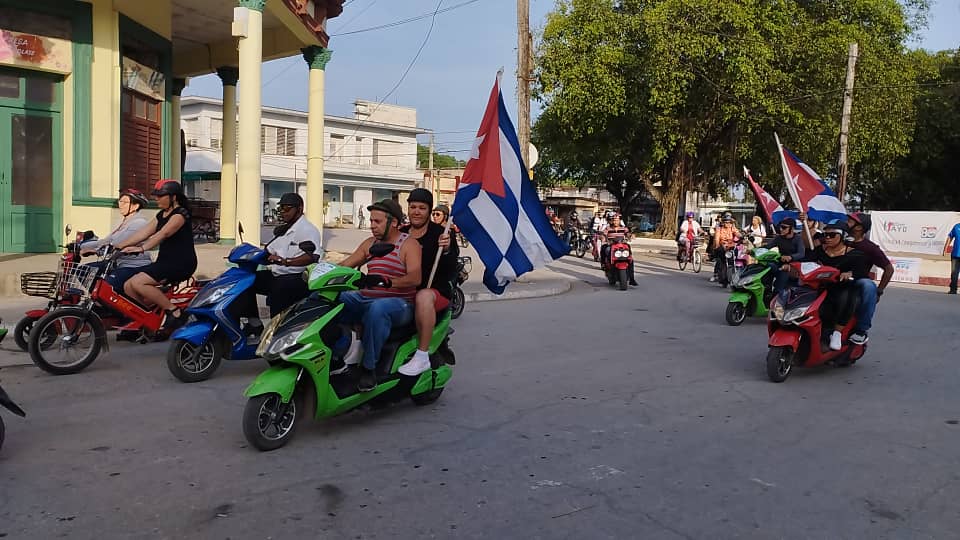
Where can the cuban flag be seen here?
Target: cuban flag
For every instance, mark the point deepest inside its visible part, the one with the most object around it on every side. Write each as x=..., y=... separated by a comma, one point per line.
x=808, y=191
x=772, y=209
x=497, y=207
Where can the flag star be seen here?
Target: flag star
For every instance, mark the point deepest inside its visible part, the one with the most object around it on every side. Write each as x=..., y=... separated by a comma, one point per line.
x=796, y=182
x=475, y=151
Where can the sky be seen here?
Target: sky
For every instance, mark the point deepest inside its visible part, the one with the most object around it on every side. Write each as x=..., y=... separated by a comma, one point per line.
x=450, y=81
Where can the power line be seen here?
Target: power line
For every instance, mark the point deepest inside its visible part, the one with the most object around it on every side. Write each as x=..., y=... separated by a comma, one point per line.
x=362, y=11
x=408, y=20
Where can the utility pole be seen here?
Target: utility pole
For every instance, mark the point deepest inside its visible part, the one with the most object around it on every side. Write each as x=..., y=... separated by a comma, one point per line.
x=524, y=49
x=433, y=181
x=845, y=120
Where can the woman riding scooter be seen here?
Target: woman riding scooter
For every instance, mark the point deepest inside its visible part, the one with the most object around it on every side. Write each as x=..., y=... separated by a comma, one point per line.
x=853, y=264
x=177, y=259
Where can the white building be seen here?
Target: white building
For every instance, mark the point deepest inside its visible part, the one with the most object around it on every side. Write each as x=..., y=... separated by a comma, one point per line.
x=369, y=157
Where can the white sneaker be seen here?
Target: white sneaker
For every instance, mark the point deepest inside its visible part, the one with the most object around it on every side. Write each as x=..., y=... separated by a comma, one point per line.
x=355, y=352
x=713, y=279
x=836, y=341
x=417, y=365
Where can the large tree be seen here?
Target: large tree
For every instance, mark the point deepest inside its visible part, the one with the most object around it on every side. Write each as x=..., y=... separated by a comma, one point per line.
x=685, y=91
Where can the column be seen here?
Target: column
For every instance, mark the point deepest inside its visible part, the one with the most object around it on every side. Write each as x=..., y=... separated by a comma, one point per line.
x=248, y=26
x=176, y=149
x=317, y=58
x=228, y=151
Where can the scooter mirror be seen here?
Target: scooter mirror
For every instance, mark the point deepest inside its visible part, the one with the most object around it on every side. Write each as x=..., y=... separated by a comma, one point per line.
x=380, y=249
x=67, y=230
x=307, y=246
x=87, y=235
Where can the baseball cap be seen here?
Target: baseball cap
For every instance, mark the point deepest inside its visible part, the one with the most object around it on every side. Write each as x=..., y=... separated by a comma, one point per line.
x=389, y=206
x=291, y=199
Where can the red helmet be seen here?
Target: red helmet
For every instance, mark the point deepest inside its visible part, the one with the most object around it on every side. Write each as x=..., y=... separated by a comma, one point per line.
x=135, y=195
x=167, y=187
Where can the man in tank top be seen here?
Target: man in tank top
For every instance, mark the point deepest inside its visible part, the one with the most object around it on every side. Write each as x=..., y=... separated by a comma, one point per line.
x=388, y=289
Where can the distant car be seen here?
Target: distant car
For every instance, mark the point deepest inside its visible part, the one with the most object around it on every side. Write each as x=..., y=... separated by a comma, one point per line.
x=645, y=226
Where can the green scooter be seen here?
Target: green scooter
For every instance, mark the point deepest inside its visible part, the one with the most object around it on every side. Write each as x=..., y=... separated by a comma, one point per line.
x=753, y=289
x=298, y=345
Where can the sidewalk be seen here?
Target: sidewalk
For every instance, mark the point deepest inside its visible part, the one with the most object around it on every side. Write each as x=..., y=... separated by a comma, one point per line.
x=338, y=243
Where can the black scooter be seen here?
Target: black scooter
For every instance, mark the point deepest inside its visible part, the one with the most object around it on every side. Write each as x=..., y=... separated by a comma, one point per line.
x=9, y=404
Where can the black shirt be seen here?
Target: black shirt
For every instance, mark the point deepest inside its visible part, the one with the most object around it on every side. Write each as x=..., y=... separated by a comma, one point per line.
x=787, y=246
x=178, y=248
x=853, y=261
x=447, y=267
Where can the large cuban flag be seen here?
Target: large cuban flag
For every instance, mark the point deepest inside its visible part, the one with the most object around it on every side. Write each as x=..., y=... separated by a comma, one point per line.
x=497, y=207
x=808, y=191
x=771, y=208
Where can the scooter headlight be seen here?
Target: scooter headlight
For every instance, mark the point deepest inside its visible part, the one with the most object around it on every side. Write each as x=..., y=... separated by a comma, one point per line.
x=794, y=315
x=283, y=343
x=745, y=280
x=211, y=296
x=776, y=310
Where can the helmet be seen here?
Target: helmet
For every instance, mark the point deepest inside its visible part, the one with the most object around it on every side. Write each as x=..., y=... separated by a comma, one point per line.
x=421, y=195
x=862, y=219
x=836, y=225
x=690, y=214
x=135, y=196
x=167, y=187
x=727, y=215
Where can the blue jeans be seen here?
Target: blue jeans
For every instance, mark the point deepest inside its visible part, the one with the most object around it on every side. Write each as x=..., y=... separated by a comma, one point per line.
x=378, y=316
x=867, y=291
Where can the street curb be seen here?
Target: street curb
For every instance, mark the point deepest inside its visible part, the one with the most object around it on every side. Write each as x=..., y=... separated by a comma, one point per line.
x=554, y=290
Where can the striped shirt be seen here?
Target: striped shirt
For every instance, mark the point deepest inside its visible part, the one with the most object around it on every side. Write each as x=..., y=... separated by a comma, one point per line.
x=617, y=233
x=390, y=266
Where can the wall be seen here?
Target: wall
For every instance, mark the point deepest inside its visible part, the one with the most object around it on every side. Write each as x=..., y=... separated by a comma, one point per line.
x=157, y=15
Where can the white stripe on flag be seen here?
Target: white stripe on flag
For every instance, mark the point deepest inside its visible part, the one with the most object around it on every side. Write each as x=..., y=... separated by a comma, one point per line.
x=505, y=272
x=510, y=165
x=494, y=223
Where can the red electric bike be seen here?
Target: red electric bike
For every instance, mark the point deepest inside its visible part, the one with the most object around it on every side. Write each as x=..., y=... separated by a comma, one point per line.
x=798, y=335
x=616, y=263
x=69, y=338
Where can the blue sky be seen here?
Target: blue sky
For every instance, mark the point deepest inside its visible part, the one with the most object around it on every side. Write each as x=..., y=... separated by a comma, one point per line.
x=451, y=79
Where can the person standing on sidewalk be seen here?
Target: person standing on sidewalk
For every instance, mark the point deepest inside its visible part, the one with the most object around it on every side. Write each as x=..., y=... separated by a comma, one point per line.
x=953, y=239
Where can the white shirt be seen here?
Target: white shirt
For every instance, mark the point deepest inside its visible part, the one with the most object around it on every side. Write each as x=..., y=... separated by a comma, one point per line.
x=685, y=227
x=287, y=246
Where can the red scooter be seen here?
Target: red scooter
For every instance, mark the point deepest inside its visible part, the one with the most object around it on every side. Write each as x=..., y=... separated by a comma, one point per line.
x=69, y=338
x=798, y=336
x=615, y=262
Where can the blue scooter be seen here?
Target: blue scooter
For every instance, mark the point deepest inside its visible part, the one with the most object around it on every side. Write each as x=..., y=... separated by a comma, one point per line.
x=215, y=331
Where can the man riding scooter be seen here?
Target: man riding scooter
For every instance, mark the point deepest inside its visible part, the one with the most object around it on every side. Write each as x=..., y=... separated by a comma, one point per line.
x=869, y=292
x=616, y=231
x=283, y=283
x=790, y=246
x=725, y=238
x=388, y=289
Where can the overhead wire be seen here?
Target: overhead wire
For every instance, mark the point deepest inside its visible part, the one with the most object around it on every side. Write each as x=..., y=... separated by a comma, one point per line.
x=405, y=21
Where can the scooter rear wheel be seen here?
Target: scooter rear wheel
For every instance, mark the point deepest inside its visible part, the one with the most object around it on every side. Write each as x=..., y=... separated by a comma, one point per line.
x=21, y=332
x=779, y=363
x=183, y=366
x=457, y=303
x=78, y=338
x=268, y=423
x=427, y=398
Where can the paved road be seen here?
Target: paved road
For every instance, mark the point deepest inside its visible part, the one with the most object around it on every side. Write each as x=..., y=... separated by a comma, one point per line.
x=596, y=414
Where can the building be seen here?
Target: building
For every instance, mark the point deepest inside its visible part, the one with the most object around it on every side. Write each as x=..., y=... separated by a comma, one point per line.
x=369, y=157
x=89, y=101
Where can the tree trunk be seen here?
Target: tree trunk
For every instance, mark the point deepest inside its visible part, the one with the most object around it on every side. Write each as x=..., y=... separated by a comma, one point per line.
x=670, y=198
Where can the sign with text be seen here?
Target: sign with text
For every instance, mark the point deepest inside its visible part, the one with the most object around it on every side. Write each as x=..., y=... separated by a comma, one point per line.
x=36, y=52
x=143, y=79
x=912, y=232
x=905, y=269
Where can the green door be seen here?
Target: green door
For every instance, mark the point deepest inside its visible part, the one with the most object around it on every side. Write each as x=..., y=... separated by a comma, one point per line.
x=30, y=162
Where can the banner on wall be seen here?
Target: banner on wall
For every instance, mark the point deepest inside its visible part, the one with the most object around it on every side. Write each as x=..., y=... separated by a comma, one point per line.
x=143, y=79
x=905, y=269
x=36, y=52
x=912, y=232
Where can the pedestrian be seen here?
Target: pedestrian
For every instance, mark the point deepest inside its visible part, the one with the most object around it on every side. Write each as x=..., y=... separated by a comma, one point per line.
x=360, y=218
x=953, y=239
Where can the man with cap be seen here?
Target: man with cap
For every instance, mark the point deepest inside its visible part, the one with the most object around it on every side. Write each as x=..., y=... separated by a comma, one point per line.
x=431, y=297
x=859, y=224
x=387, y=291
x=283, y=283
x=790, y=246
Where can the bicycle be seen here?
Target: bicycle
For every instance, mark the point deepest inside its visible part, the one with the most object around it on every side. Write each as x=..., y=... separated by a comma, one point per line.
x=691, y=254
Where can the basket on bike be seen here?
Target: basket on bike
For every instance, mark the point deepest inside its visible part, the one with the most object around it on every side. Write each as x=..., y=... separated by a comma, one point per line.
x=75, y=278
x=43, y=284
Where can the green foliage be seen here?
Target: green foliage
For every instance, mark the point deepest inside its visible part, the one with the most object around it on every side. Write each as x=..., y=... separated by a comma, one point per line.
x=678, y=94
x=440, y=161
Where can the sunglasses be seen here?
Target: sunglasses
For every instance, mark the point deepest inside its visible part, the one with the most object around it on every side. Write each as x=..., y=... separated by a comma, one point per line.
x=435, y=214
x=831, y=234
x=785, y=227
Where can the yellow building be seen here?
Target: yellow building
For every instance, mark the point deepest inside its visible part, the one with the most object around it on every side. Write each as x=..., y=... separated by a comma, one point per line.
x=89, y=103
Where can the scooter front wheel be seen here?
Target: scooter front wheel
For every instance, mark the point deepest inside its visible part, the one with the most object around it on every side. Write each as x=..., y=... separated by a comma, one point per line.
x=736, y=313
x=779, y=363
x=189, y=365
x=66, y=341
x=622, y=279
x=269, y=423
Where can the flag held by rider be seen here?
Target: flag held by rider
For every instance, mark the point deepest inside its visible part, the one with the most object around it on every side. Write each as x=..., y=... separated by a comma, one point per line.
x=808, y=191
x=772, y=209
x=497, y=207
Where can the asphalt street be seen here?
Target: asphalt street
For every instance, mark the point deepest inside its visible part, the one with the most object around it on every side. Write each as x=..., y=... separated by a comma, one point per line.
x=595, y=414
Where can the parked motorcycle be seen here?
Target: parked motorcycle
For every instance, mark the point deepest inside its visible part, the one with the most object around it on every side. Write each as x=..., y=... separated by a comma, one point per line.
x=457, y=299
x=753, y=289
x=9, y=405
x=615, y=263
x=298, y=344
x=69, y=338
x=215, y=330
x=798, y=335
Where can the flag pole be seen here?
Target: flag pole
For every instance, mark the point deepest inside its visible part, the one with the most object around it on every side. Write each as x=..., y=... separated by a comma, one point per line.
x=792, y=188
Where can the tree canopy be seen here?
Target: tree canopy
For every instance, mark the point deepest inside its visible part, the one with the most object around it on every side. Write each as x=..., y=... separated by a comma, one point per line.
x=440, y=161
x=674, y=95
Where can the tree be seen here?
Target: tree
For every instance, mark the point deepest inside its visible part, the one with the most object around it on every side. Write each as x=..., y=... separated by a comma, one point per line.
x=685, y=91
x=440, y=161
